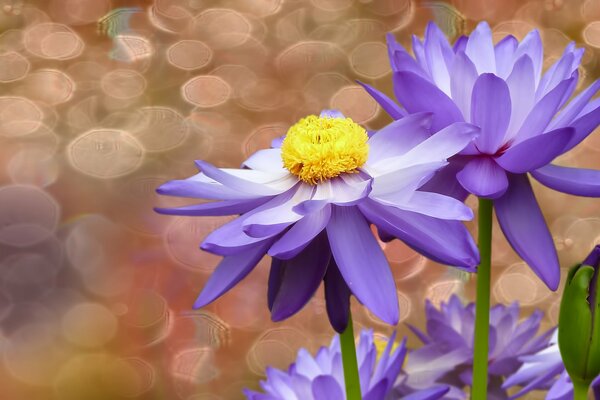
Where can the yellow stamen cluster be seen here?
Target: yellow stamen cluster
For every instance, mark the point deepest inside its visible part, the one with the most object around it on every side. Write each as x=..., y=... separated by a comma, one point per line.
x=320, y=148
x=381, y=344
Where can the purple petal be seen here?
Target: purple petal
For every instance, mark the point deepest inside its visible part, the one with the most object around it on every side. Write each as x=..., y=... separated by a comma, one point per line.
x=504, y=52
x=230, y=239
x=346, y=190
x=325, y=387
x=532, y=46
x=432, y=204
x=480, y=49
x=521, y=83
x=535, y=152
x=460, y=44
x=400, y=136
x=575, y=106
x=268, y=160
x=337, y=297
x=490, y=110
x=226, y=207
x=577, y=181
x=419, y=52
x=463, y=76
x=198, y=186
x=388, y=105
x=438, y=54
x=543, y=111
x=444, y=181
x=483, y=177
x=583, y=125
x=418, y=95
x=523, y=225
x=229, y=272
x=275, y=278
x=433, y=393
x=447, y=242
x=332, y=114
x=300, y=234
x=362, y=263
x=378, y=391
x=300, y=278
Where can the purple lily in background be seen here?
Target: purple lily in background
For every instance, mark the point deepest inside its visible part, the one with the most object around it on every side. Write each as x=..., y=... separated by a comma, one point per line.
x=525, y=117
x=308, y=203
x=540, y=372
x=447, y=354
x=321, y=377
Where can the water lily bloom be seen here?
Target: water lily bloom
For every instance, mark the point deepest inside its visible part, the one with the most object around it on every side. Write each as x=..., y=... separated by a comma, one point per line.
x=579, y=321
x=308, y=201
x=526, y=121
x=321, y=377
x=447, y=354
x=545, y=371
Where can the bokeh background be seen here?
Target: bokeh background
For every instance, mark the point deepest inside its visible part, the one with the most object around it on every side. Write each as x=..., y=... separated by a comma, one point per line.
x=101, y=101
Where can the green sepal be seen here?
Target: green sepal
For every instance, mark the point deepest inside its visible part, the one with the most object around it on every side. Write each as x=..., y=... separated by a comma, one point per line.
x=593, y=366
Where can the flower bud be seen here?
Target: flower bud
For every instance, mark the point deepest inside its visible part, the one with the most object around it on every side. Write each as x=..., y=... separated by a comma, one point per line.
x=579, y=321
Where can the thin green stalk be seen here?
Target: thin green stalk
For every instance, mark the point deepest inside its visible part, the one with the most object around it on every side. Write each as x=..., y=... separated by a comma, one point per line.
x=482, y=302
x=349, y=362
x=580, y=390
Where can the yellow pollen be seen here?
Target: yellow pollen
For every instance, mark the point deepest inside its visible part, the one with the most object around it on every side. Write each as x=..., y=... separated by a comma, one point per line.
x=320, y=148
x=381, y=344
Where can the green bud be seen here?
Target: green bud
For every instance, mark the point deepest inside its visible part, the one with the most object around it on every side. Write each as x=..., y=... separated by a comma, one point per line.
x=579, y=321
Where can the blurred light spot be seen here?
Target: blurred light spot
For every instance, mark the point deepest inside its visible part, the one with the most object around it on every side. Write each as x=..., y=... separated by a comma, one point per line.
x=261, y=137
x=291, y=27
x=11, y=40
x=78, y=12
x=275, y=348
x=322, y=86
x=221, y=28
x=204, y=328
x=104, y=153
x=34, y=166
x=189, y=54
x=259, y=8
x=263, y=94
x=332, y=5
x=123, y=83
x=161, y=128
x=300, y=59
x=19, y=116
x=53, y=41
x=143, y=377
x=89, y=325
x=237, y=76
x=194, y=365
x=450, y=20
x=86, y=74
x=13, y=66
x=405, y=305
x=131, y=48
x=169, y=17
x=206, y=91
x=28, y=276
x=441, y=291
x=148, y=317
x=28, y=215
x=519, y=283
x=116, y=21
x=370, y=60
x=355, y=102
x=591, y=34
x=184, y=234
x=50, y=86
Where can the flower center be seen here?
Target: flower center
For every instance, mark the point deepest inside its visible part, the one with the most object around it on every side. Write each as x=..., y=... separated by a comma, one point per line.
x=320, y=148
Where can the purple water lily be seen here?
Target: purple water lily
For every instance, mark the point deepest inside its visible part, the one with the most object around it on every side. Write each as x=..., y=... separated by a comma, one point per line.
x=321, y=377
x=308, y=203
x=447, y=354
x=525, y=118
x=545, y=371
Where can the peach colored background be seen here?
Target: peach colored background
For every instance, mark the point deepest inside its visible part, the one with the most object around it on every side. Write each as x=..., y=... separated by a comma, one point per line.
x=95, y=288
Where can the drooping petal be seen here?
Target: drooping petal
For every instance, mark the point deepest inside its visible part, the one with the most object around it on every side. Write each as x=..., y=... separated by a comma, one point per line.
x=230, y=239
x=229, y=272
x=525, y=229
x=577, y=181
x=521, y=84
x=337, y=297
x=215, y=208
x=268, y=160
x=504, y=52
x=583, y=125
x=542, y=112
x=399, y=137
x=388, y=105
x=483, y=177
x=447, y=242
x=201, y=187
x=362, y=263
x=417, y=94
x=300, y=234
x=490, y=110
x=462, y=78
x=480, y=49
x=325, y=387
x=431, y=204
x=275, y=277
x=300, y=278
x=536, y=151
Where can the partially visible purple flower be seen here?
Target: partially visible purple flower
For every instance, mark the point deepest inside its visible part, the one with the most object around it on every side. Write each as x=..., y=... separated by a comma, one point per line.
x=447, y=354
x=525, y=118
x=322, y=377
x=309, y=202
x=545, y=371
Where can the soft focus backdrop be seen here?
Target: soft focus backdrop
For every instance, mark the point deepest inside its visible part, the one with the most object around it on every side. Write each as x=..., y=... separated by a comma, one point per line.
x=101, y=101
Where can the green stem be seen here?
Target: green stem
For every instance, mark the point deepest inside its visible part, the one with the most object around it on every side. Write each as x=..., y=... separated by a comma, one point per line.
x=349, y=362
x=580, y=390
x=482, y=302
